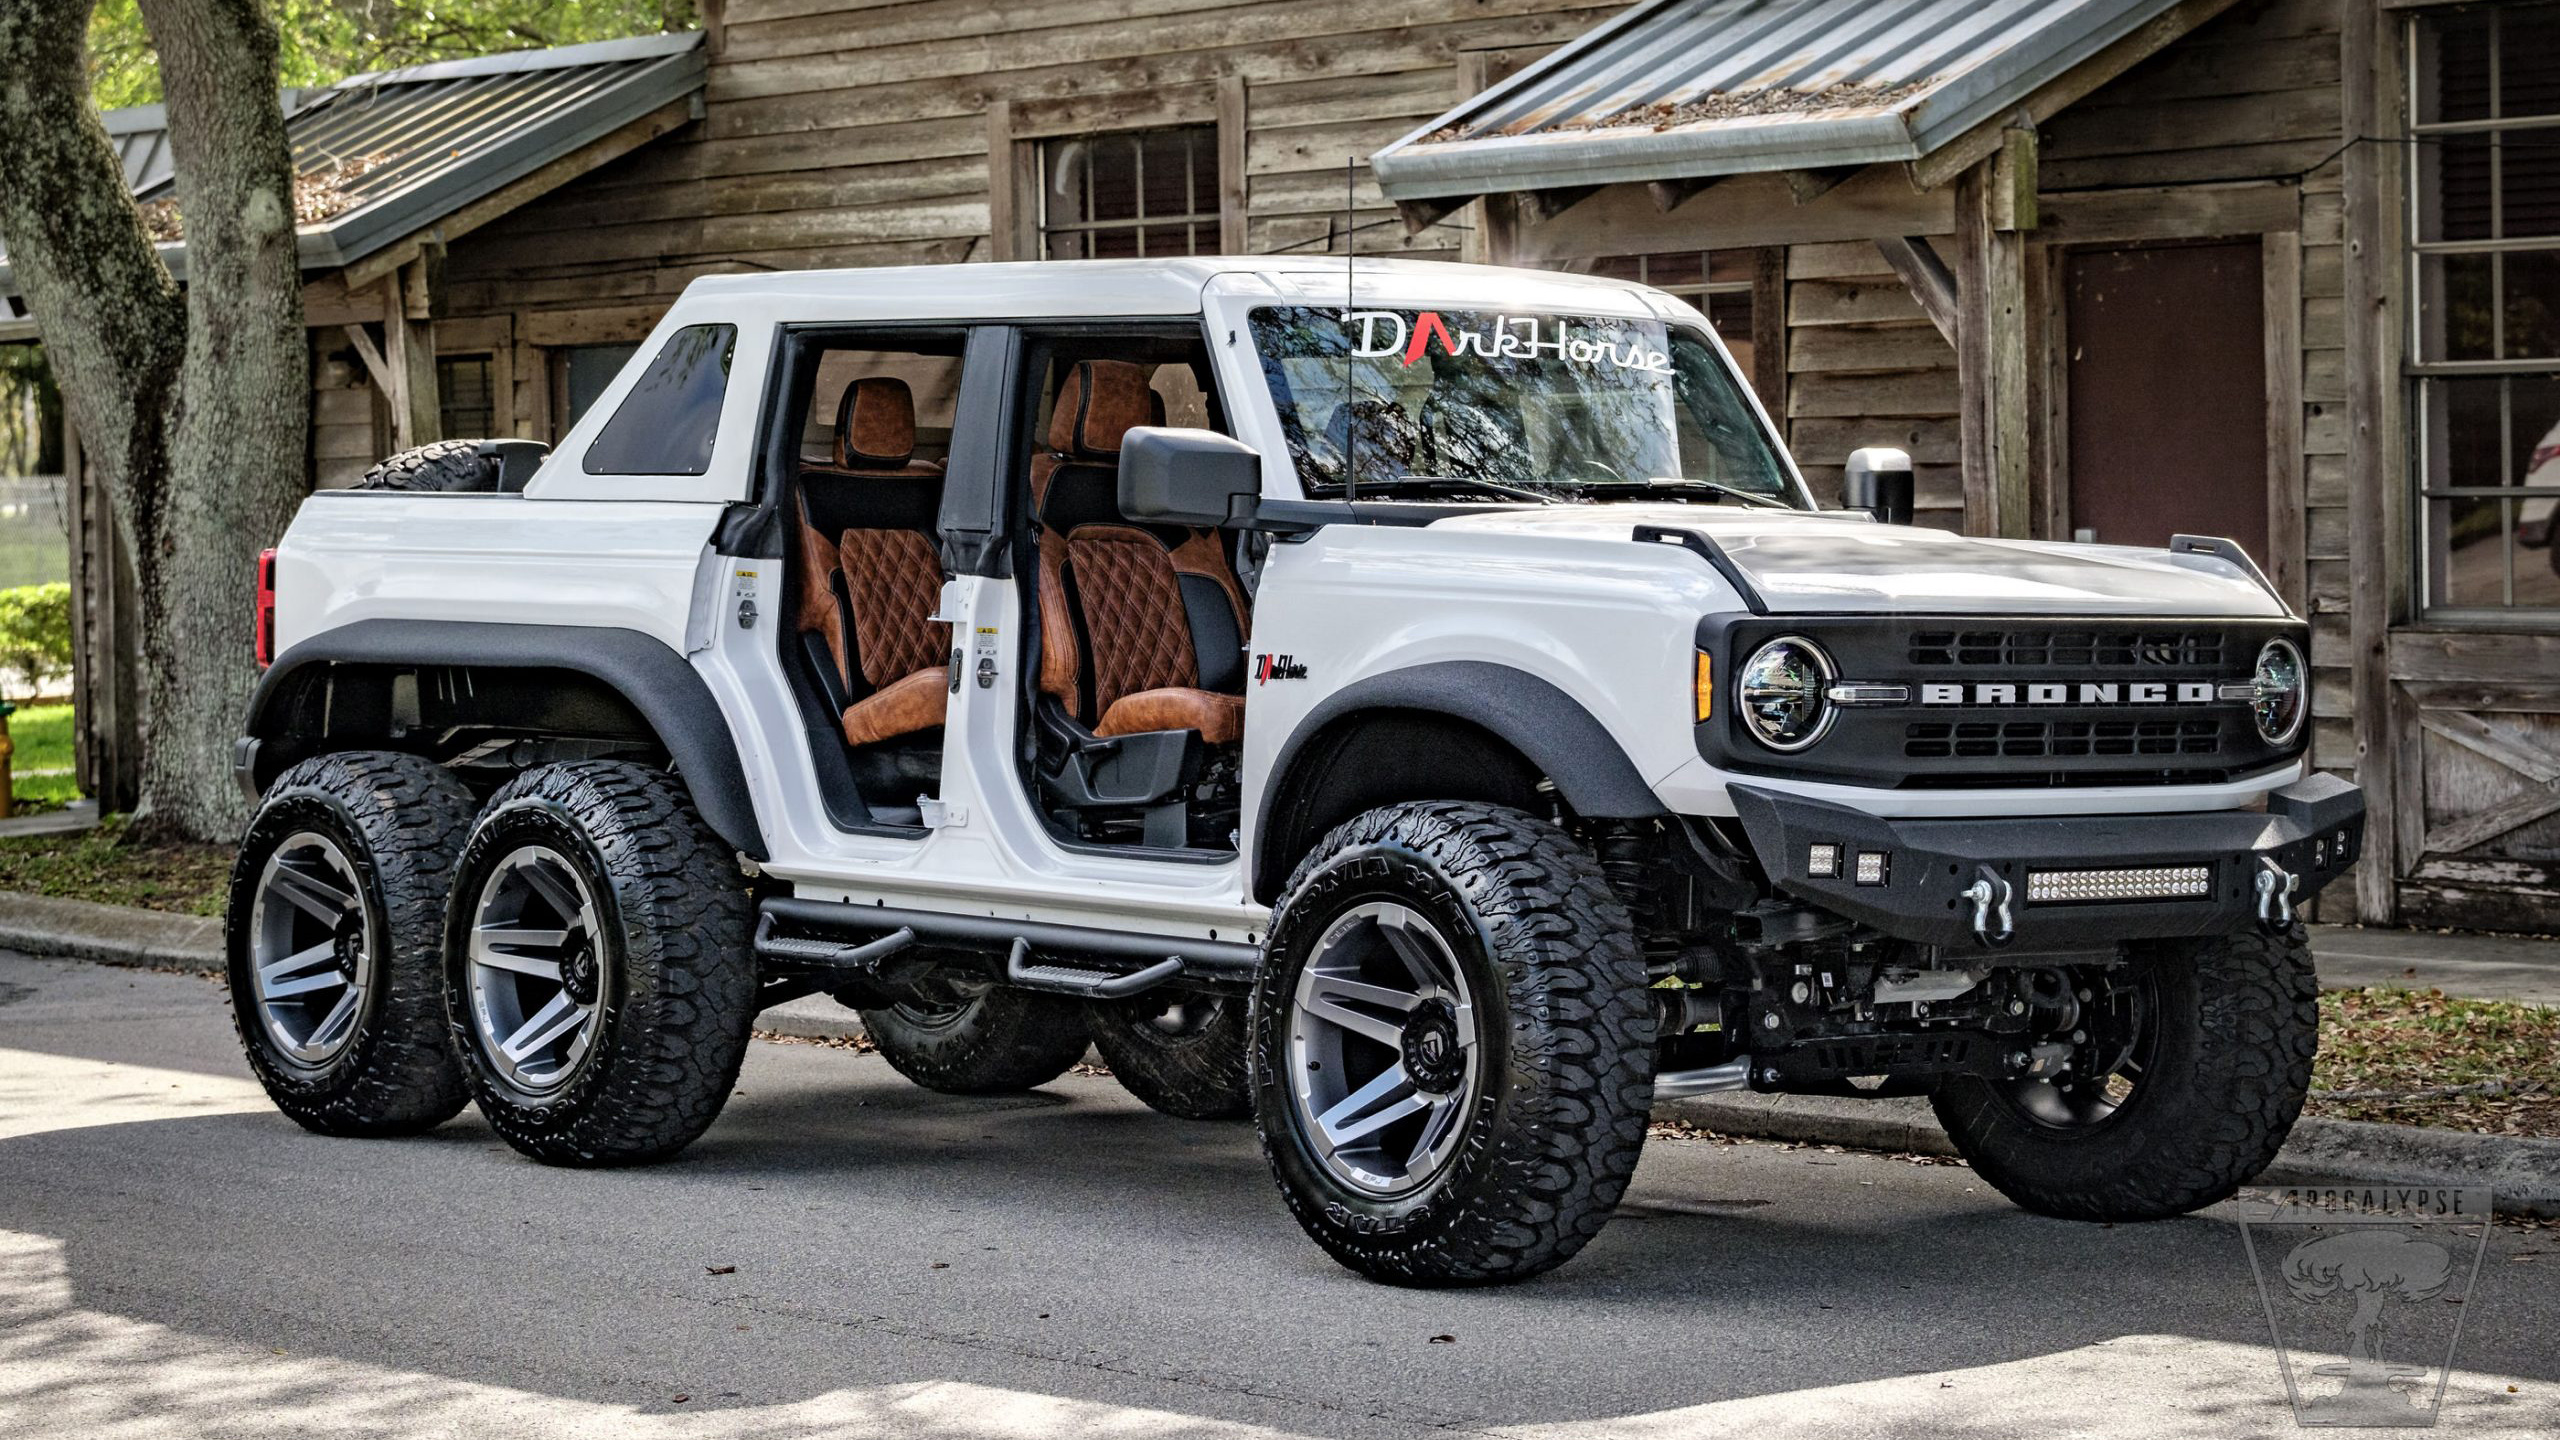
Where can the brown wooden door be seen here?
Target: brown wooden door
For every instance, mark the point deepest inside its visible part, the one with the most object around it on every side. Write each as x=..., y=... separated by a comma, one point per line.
x=2167, y=393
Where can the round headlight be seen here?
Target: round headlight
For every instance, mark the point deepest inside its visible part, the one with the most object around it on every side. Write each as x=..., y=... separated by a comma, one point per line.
x=1781, y=693
x=2283, y=692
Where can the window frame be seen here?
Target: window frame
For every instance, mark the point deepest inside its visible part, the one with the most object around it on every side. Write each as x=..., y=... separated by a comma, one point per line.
x=1018, y=133
x=2419, y=374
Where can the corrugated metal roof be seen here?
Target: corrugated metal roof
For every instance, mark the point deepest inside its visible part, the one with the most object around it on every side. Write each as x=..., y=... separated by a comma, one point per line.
x=1677, y=88
x=418, y=144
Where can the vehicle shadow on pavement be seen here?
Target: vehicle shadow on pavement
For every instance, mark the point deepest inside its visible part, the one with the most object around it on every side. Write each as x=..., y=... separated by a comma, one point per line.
x=845, y=1253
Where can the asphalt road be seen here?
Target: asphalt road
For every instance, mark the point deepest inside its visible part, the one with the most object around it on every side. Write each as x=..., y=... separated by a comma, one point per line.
x=178, y=1260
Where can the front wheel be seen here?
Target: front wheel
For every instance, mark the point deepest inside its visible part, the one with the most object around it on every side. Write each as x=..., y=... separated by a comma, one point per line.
x=596, y=965
x=2189, y=1066
x=1452, y=1045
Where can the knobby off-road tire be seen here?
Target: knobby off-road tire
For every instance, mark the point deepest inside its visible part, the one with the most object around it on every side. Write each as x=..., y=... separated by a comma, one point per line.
x=445, y=465
x=1184, y=1055
x=593, y=893
x=338, y=895
x=1537, y=988
x=991, y=1041
x=2233, y=1023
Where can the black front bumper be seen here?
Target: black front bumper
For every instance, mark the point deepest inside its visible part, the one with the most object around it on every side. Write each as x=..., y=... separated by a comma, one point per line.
x=1944, y=880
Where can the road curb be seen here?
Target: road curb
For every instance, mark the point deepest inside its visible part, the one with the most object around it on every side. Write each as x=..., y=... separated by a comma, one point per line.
x=109, y=934
x=2523, y=1173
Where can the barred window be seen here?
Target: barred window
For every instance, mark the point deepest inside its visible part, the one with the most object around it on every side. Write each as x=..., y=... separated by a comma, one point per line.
x=1718, y=282
x=466, y=397
x=2484, y=370
x=1139, y=193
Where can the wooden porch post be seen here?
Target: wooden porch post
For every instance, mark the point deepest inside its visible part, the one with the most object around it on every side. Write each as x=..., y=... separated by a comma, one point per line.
x=1991, y=339
x=2383, y=723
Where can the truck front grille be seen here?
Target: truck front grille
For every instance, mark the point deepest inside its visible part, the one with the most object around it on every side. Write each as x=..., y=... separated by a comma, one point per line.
x=2043, y=739
x=2076, y=649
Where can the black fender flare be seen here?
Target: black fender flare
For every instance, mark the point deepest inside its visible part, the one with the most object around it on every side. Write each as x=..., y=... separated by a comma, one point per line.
x=1549, y=728
x=642, y=669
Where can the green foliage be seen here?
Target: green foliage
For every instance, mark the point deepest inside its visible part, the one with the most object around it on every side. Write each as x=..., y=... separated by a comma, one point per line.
x=35, y=633
x=328, y=40
x=108, y=867
x=41, y=770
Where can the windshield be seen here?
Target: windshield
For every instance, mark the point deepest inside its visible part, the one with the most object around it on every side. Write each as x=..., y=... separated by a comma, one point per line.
x=1563, y=406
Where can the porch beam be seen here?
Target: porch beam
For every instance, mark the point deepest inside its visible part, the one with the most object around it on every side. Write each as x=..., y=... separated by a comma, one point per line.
x=1991, y=360
x=1926, y=276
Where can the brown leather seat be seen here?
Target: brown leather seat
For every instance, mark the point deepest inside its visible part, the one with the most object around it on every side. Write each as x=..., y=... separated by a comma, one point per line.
x=868, y=594
x=1158, y=614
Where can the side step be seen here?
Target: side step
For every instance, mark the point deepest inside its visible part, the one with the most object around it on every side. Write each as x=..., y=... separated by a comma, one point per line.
x=828, y=953
x=1088, y=984
x=1073, y=959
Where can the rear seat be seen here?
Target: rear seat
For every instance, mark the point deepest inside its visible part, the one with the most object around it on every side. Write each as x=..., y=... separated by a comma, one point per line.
x=869, y=592
x=1143, y=627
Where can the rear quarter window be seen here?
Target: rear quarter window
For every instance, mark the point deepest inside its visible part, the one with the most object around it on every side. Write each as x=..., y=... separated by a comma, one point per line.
x=667, y=424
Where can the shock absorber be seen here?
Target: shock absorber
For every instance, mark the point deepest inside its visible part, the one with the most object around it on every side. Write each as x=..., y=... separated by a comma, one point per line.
x=1622, y=859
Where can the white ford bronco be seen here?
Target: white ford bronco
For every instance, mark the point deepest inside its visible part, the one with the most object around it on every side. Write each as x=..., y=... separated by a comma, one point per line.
x=1424, y=710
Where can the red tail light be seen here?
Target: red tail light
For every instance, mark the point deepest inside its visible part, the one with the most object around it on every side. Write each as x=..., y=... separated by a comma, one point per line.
x=266, y=608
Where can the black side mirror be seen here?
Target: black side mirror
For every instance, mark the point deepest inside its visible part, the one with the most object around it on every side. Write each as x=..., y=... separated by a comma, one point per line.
x=1879, y=482
x=1187, y=477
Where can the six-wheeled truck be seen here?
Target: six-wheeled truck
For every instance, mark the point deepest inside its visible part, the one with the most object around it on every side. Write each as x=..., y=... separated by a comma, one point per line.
x=1424, y=710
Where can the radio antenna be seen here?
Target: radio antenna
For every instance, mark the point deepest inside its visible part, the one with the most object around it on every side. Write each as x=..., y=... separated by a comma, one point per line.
x=1350, y=258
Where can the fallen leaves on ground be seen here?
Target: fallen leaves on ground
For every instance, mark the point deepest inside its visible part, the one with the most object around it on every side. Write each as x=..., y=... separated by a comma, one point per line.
x=2422, y=1057
x=107, y=867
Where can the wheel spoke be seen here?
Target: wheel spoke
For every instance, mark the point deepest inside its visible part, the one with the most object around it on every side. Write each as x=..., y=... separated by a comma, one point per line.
x=305, y=984
x=1374, y=1106
x=340, y=1019
x=1415, y=947
x=485, y=950
x=546, y=1025
x=562, y=898
x=1444, y=1114
x=275, y=972
x=1330, y=998
x=311, y=894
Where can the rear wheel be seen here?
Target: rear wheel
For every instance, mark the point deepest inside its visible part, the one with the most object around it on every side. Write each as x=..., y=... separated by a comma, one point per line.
x=597, y=968
x=334, y=932
x=2195, y=1061
x=1452, y=1045
x=1183, y=1054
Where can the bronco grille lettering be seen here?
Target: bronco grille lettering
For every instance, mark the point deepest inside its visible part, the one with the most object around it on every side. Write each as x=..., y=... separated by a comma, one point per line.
x=2184, y=692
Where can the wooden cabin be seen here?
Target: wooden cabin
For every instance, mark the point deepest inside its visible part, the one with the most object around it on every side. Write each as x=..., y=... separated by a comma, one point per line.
x=2285, y=270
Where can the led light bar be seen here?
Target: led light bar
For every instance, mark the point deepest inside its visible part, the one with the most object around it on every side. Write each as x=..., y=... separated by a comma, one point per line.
x=2154, y=882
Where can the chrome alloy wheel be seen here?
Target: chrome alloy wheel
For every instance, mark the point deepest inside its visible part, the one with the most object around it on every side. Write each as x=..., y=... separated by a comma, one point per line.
x=311, y=950
x=1384, y=1065
x=535, y=977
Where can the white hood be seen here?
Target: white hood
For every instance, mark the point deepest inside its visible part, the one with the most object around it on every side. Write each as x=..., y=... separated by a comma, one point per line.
x=1835, y=561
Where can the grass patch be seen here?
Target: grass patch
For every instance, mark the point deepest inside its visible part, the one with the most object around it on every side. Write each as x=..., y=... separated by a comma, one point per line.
x=2422, y=1057
x=42, y=735
x=101, y=865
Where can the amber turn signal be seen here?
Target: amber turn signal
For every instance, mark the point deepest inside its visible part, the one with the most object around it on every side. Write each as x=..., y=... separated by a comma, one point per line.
x=1706, y=686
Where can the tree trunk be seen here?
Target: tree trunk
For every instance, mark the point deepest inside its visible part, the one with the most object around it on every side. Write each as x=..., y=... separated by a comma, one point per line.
x=192, y=407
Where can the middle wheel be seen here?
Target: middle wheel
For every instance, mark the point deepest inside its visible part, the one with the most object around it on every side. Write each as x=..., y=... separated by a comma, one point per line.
x=1183, y=1054
x=597, y=971
x=971, y=1036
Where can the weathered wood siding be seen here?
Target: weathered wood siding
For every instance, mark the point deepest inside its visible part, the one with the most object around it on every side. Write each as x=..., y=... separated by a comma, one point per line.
x=841, y=132
x=1865, y=367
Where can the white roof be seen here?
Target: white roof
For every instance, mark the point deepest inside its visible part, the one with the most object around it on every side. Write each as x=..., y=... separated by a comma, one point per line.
x=1070, y=289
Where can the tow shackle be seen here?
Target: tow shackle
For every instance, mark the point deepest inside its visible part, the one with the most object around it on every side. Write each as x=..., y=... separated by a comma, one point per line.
x=2276, y=886
x=1993, y=925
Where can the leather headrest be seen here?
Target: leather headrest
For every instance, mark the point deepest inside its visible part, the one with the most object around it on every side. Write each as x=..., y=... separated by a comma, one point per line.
x=1099, y=401
x=876, y=423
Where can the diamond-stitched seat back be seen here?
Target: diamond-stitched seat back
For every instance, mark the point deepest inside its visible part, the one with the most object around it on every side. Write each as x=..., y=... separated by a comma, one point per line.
x=893, y=583
x=1133, y=614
